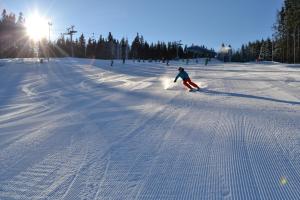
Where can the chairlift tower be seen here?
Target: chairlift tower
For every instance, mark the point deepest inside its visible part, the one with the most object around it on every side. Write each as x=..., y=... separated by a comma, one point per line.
x=93, y=37
x=71, y=32
x=178, y=44
x=49, y=26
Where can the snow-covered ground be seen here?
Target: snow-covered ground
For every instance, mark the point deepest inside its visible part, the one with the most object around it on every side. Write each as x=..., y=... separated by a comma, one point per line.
x=79, y=129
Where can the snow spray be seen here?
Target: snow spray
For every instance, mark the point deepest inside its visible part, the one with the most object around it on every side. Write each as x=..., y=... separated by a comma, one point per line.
x=202, y=85
x=167, y=83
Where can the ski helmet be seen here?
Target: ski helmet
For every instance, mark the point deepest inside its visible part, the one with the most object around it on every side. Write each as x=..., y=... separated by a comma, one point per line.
x=180, y=69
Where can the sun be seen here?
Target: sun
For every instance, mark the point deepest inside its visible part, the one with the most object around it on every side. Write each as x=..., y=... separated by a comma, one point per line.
x=36, y=27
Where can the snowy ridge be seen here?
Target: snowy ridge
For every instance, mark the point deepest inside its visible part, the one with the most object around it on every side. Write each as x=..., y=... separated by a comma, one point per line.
x=80, y=129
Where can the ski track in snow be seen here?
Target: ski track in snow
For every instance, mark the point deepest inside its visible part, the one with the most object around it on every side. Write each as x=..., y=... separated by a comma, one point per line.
x=80, y=129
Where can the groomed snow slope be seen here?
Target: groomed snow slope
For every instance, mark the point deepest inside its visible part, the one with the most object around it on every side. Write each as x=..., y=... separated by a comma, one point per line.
x=79, y=129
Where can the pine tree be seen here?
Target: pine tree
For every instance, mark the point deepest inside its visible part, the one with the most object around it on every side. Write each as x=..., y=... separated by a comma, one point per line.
x=123, y=49
x=287, y=32
x=110, y=46
x=100, y=47
x=135, y=47
x=81, y=47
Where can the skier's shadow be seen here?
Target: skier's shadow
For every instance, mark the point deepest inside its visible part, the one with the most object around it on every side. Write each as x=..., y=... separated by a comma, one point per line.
x=231, y=94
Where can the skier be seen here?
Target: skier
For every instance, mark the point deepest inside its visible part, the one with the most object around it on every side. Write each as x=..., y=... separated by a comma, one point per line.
x=206, y=61
x=186, y=79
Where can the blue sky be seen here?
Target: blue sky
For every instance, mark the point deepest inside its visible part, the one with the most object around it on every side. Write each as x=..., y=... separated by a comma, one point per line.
x=208, y=22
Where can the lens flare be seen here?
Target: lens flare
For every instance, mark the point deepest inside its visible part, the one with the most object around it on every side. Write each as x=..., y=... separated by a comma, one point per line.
x=283, y=181
x=36, y=26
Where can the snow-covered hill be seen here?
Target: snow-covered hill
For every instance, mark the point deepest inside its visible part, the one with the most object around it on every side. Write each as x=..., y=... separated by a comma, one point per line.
x=80, y=129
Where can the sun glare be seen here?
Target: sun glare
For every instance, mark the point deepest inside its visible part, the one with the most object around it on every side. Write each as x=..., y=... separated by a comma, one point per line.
x=37, y=27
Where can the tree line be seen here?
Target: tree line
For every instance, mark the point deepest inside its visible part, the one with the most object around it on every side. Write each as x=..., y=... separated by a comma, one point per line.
x=285, y=44
x=112, y=48
x=14, y=42
x=287, y=33
x=258, y=50
x=13, y=39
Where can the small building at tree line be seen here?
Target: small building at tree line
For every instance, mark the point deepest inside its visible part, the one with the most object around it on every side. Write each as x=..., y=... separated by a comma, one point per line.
x=225, y=53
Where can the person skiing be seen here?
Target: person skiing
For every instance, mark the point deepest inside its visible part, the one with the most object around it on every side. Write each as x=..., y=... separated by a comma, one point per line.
x=186, y=79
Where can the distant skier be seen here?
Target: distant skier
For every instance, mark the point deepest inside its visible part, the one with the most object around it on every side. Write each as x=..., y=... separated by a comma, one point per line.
x=186, y=79
x=206, y=61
